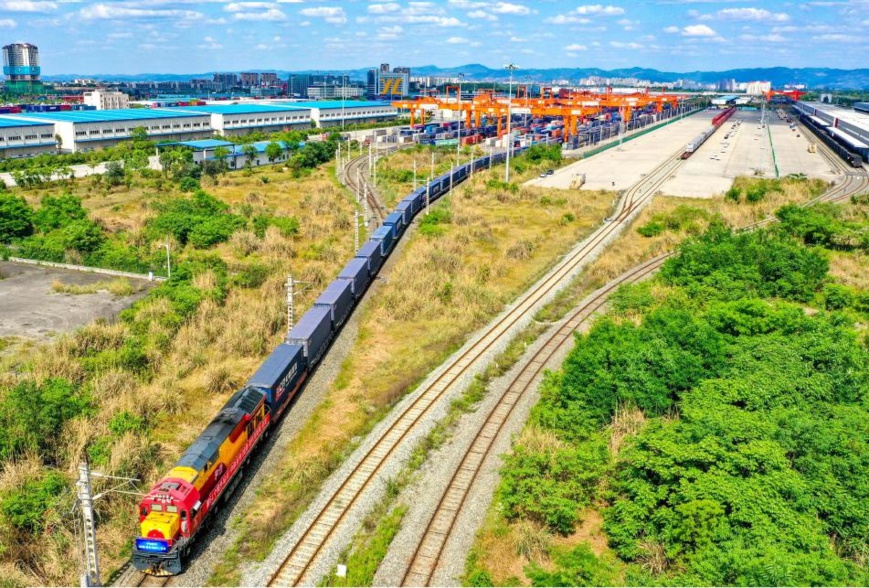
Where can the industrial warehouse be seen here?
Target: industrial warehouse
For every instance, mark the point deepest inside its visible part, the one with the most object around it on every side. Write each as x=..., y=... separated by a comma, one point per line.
x=73, y=131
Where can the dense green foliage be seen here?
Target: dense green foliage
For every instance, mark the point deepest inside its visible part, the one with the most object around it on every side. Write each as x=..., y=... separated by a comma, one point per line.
x=16, y=218
x=747, y=460
x=25, y=508
x=682, y=218
x=31, y=415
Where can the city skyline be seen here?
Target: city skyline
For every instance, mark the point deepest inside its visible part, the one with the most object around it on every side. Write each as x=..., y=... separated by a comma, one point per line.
x=144, y=36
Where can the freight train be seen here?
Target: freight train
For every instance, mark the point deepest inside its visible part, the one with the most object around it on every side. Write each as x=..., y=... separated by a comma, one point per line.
x=180, y=506
x=695, y=143
x=849, y=150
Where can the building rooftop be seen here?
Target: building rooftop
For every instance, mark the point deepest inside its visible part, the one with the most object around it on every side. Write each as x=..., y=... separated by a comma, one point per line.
x=856, y=118
x=205, y=144
x=330, y=104
x=86, y=116
x=11, y=121
x=237, y=108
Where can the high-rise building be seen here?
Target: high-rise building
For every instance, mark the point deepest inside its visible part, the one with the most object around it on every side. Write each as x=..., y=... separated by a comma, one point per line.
x=269, y=79
x=384, y=67
x=21, y=67
x=249, y=79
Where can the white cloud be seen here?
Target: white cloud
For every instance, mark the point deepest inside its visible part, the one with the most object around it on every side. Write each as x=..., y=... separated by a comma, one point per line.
x=108, y=11
x=508, y=8
x=698, y=31
x=755, y=14
x=620, y=45
x=575, y=47
x=598, y=9
x=247, y=6
x=121, y=36
x=771, y=38
x=840, y=38
x=7, y=23
x=458, y=41
x=482, y=14
x=330, y=14
x=515, y=39
x=23, y=6
x=567, y=19
x=383, y=8
x=671, y=29
x=271, y=15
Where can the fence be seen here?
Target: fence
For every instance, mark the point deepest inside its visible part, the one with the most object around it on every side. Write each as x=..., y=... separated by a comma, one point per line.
x=94, y=270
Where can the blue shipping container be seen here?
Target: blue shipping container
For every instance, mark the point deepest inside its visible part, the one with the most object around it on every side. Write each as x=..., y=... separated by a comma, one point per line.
x=371, y=252
x=280, y=376
x=338, y=298
x=385, y=235
x=312, y=333
x=356, y=272
x=395, y=219
x=405, y=208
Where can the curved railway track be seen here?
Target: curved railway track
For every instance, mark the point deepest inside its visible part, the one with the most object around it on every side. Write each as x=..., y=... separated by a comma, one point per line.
x=354, y=174
x=319, y=531
x=428, y=552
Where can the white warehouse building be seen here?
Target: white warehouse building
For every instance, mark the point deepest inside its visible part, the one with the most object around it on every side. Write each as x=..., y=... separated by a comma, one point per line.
x=86, y=130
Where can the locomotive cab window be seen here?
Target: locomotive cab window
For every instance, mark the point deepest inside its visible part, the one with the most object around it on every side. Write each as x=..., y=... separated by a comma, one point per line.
x=144, y=511
x=157, y=507
x=171, y=508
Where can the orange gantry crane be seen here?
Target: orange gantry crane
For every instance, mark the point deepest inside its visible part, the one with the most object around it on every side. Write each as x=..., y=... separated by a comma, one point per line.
x=572, y=106
x=794, y=95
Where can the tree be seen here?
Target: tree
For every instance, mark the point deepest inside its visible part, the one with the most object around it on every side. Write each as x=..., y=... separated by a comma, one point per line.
x=139, y=135
x=274, y=151
x=16, y=217
x=57, y=212
x=249, y=152
x=115, y=173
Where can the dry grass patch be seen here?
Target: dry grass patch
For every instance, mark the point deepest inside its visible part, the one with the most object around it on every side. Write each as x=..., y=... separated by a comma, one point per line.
x=849, y=268
x=117, y=287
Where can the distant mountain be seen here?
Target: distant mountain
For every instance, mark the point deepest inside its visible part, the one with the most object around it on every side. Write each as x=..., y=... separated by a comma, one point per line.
x=813, y=77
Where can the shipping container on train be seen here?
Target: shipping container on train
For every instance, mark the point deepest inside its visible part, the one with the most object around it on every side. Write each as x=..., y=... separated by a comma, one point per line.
x=312, y=333
x=356, y=272
x=338, y=298
x=396, y=220
x=280, y=376
x=371, y=252
x=385, y=235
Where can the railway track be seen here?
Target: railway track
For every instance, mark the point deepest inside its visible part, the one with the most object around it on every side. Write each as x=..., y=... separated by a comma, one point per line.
x=317, y=533
x=148, y=580
x=440, y=526
x=354, y=174
x=427, y=554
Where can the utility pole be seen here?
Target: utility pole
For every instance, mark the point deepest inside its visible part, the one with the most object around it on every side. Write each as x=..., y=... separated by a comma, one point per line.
x=355, y=230
x=428, y=186
x=459, y=132
x=414, y=175
x=85, y=499
x=168, y=260
x=370, y=167
x=511, y=68
x=91, y=574
x=290, y=310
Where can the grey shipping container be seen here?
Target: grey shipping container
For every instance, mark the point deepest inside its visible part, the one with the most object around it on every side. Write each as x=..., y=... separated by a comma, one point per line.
x=371, y=252
x=385, y=234
x=280, y=375
x=338, y=298
x=312, y=333
x=356, y=272
x=395, y=219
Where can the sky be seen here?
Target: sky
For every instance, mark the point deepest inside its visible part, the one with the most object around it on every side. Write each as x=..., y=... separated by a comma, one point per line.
x=194, y=36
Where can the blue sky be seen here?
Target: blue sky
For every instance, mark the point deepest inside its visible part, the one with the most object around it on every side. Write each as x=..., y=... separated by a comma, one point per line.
x=188, y=36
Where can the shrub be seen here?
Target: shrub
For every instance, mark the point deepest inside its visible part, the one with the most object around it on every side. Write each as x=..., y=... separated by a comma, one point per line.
x=58, y=212
x=32, y=415
x=252, y=276
x=837, y=297
x=25, y=508
x=16, y=217
x=651, y=229
x=188, y=184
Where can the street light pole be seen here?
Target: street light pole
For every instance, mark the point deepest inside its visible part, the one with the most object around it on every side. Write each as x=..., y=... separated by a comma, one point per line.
x=511, y=68
x=459, y=110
